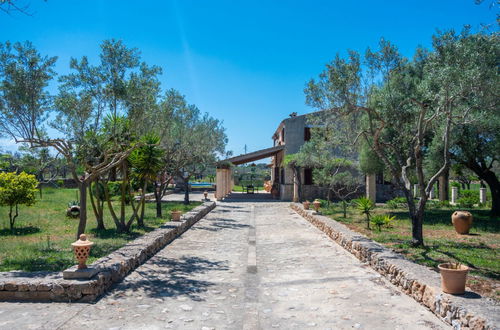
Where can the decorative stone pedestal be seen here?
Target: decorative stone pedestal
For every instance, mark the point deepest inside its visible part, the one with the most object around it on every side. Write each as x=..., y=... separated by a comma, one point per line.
x=74, y=273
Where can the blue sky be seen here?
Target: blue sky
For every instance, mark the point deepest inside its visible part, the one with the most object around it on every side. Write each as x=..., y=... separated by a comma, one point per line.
x=244, y=62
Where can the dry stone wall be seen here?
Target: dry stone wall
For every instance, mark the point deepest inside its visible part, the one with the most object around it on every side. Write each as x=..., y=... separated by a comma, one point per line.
x=50, y=286
x=469, y=311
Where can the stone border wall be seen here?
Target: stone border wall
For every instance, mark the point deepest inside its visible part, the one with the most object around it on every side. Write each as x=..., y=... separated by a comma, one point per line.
x=469, y=311
x=50, y=286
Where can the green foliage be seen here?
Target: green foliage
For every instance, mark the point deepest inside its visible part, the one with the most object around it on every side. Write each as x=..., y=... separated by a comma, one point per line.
x=147, y=160
x=397, y=202
x=369, y=162
x=382, y=220
x=365, y=206
x=114, y=188
x=17, y=189
x=466, y=202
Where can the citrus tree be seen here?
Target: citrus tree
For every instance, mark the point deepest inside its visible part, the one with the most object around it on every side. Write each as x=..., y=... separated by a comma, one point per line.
x=15, y=190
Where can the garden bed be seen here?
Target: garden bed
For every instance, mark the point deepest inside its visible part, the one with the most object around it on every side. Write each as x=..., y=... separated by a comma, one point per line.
x=43, y=235
x=112, y=268
x=480, y=250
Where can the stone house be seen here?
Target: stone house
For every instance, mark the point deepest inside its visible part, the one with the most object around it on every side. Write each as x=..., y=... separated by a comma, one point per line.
x=288, y=138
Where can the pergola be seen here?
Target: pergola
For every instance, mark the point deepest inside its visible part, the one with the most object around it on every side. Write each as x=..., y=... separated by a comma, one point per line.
x=224, y=175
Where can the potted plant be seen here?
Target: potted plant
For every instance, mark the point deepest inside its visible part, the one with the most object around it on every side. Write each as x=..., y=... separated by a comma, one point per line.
x=316, y=205
x=462, y=221
x=176, y=214
x=306, y=205
x=453, y=277
x=73, y=210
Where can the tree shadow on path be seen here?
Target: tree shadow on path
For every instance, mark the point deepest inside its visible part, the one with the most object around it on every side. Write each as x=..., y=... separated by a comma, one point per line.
x=165, y=277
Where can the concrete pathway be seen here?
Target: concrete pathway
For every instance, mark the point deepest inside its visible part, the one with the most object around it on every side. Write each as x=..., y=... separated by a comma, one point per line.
x=245, y=266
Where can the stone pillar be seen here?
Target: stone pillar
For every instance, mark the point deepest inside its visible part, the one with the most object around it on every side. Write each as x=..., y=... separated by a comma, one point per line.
x=295, y=188
x=232, y=181
x=443, y=188
x=454, y=195
x=482, y=195
x=415, y=191
x=219, y=182
x=225, y=182
x=371, y=187
x=431, y=193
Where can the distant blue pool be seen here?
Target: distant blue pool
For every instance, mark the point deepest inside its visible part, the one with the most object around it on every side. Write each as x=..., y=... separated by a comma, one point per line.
x=201, y=184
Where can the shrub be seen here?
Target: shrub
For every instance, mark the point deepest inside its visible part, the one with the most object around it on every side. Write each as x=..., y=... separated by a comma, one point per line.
x=15, y=190
x=60, y=183
x=397, y=202
x=382, y=220
x=466, y=202
x=444, y=204
x=378, y=221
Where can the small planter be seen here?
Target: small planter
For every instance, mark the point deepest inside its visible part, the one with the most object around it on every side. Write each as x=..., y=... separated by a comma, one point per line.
x=453, y=277
x=306, y=205
x=205, y=194
x=176, y=215
x=462, y=221
x=316, y=205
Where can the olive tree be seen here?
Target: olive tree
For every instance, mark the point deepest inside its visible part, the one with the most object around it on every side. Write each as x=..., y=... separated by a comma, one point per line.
x=397, y=106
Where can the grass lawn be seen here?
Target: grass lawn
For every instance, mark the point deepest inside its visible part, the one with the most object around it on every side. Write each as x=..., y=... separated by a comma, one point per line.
x=43, y=232
x=243, y=188
x=479, y=250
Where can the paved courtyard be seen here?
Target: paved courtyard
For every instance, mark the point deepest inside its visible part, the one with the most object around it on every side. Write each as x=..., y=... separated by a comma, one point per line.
x=245, y=266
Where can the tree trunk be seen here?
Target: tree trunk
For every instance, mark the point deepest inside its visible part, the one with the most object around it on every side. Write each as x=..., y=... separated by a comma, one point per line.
x=140, y=219
x=417, y=235
x=487, y=175
x=97, y=206
x=186, y=193
x=12, y=218
x=492, y=181
x=83, y=208
x=158, y=190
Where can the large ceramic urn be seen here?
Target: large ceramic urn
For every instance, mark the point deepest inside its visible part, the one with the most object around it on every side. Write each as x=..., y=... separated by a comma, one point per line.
x=82, y=250
x=462, y=221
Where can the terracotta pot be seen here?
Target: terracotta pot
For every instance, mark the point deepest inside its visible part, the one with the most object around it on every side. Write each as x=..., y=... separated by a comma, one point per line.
x=205, y=193
x=306, y=205
x=82, y=250
x=176, y=215
x=462, y=221
x=453, y=280
x=316, y=205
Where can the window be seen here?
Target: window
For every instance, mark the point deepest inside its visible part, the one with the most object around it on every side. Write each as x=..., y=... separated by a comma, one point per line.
x=308, y=176
x=307, y=133
x=277, y=174
x=282, y=177
x=283, y=134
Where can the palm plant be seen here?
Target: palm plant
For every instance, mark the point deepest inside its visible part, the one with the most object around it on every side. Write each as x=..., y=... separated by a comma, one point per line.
x=146, y=162
x=365, y=206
